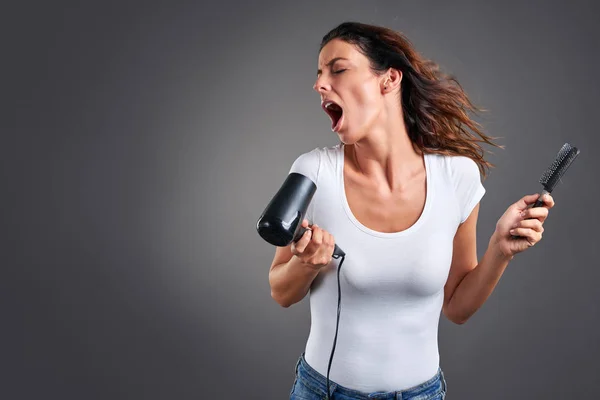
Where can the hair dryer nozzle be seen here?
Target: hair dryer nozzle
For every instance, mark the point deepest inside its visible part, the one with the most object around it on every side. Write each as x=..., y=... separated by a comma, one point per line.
x=282, y=217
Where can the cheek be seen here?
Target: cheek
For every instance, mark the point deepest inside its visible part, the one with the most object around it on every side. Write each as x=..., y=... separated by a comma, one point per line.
x=366, y=105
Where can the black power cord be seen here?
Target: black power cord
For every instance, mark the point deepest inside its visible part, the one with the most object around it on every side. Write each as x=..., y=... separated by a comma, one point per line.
x=337, y=323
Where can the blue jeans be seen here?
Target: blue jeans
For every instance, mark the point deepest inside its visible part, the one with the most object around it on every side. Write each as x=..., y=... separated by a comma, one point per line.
x=311, y=385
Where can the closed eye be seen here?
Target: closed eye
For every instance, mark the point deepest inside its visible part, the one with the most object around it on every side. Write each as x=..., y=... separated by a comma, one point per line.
x=338, y=71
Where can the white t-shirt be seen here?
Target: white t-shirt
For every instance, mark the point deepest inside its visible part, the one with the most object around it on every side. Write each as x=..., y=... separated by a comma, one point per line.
x=392, y=283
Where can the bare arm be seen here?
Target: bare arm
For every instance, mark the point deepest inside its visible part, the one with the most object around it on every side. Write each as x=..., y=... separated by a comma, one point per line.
x=470, y=282
x=290, y=280
x=296, y=266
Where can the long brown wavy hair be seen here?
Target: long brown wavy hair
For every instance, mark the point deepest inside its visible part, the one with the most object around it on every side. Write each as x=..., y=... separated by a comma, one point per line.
x=435, y=106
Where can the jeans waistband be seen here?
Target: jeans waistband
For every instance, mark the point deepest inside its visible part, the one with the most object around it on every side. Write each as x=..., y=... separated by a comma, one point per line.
x=318, y=382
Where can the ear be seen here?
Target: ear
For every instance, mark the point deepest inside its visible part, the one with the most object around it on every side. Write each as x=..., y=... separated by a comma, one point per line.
x=392, y=80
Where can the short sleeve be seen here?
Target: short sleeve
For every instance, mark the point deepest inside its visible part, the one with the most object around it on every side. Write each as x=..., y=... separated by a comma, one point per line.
x=308, y=164
x=467, y=184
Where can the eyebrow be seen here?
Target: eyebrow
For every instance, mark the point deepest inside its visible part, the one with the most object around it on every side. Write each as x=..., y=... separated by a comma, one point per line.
x=331, y=62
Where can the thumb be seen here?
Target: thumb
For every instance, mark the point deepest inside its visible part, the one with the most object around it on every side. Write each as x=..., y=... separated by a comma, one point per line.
x=527, y=200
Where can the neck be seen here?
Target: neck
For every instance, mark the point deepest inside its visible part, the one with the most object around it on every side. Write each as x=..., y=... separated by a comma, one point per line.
x=387, y=155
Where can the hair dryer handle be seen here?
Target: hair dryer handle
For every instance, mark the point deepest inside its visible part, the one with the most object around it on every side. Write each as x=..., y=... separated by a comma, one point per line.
x=337, y=252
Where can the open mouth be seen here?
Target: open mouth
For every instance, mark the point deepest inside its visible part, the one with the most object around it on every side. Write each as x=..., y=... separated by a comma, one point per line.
x=335, y=112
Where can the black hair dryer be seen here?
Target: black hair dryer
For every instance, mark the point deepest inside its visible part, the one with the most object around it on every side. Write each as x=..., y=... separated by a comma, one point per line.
x=281, y=222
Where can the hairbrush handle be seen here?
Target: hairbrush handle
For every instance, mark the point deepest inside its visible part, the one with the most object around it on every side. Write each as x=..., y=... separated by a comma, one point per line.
x=538, y=203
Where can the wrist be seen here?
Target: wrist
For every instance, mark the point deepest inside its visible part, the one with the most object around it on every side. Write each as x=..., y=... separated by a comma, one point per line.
x=499, y=251
x=306, y=266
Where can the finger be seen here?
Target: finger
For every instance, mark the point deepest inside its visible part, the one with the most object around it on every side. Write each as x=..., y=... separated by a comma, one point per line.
x=317, y=237
x=527, y=201
x=326, y=248
x=540, y=213
x=299, y=246
x=325, y=259
x=324, y=237
x=332, y=246
x=328, y=243
x=531, y=235
x=533, y=223
x=305, y=223
x=548, y=200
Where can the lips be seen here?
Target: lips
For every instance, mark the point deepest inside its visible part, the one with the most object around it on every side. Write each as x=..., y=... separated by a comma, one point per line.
x=335, y=112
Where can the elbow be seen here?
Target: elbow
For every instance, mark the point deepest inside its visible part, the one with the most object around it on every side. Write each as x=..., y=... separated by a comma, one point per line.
x=279, y=294
x=459, y=321
x=455, y=318
x=281, y=300
x=283, y=294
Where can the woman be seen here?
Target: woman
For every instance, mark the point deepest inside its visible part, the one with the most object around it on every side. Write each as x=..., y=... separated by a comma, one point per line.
x=400, y=194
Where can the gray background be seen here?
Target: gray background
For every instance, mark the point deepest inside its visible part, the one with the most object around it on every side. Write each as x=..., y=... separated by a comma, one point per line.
x=140, y=143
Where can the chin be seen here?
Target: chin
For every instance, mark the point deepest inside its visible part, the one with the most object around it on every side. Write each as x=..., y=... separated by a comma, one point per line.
x=349, y=138
x=345, y=138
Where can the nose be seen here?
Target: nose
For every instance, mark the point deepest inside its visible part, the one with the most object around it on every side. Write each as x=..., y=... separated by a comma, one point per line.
x=321, y=85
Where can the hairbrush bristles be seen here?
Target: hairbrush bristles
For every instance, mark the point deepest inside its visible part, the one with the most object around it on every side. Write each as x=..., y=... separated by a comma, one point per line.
x=557, y=169
x=552, y=175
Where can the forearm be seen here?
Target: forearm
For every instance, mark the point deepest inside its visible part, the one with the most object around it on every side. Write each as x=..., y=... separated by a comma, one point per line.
x=477, y=285
x=291, y=281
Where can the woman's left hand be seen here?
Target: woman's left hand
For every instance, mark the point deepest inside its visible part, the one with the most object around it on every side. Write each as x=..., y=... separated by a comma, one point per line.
x=522, y=220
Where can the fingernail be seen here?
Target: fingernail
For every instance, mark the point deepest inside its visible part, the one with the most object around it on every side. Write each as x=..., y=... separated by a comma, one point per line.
x=512, y=231
x=523, y=214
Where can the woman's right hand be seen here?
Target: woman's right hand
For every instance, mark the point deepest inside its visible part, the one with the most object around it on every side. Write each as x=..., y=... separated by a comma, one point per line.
x=315, y=247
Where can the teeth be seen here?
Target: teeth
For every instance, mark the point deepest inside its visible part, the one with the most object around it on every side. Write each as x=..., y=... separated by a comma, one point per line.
x=332, y=105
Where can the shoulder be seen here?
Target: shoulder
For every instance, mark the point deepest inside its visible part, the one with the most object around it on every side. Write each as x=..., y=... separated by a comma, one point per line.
x=309, y=163
x=460, y=168
x=465, y=179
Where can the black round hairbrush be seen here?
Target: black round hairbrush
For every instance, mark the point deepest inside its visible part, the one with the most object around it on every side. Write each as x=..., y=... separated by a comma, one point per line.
x=555, y=171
